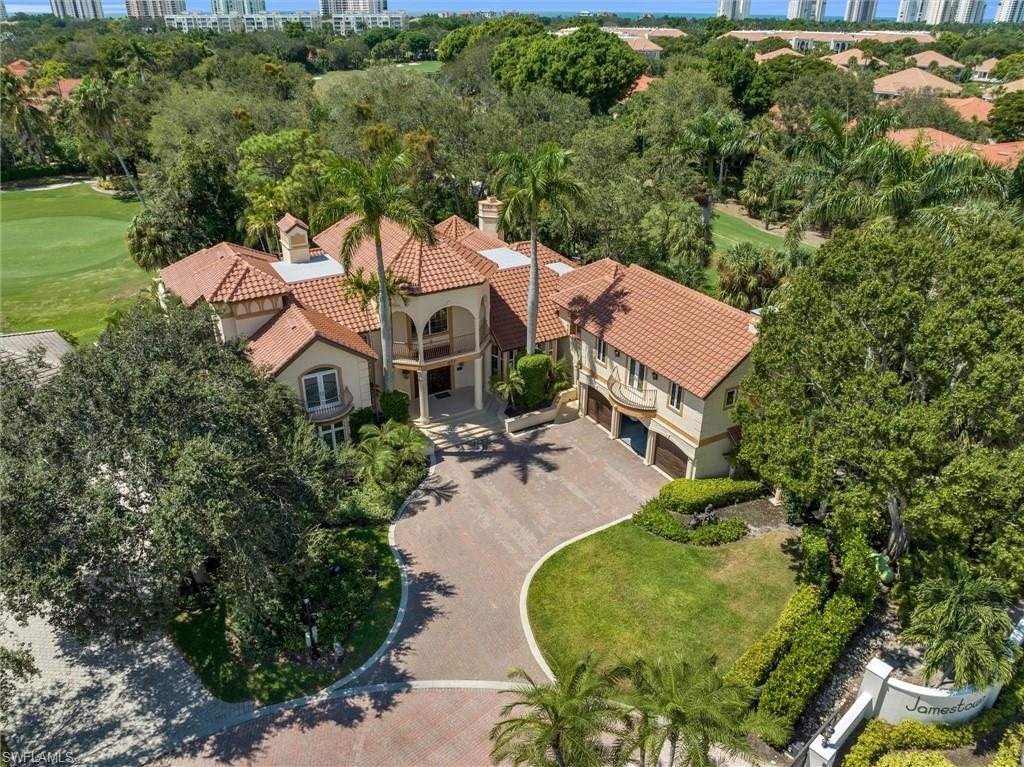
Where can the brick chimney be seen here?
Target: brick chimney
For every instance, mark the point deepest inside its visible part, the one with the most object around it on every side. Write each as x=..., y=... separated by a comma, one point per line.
x=294, y=236
x=489, y=215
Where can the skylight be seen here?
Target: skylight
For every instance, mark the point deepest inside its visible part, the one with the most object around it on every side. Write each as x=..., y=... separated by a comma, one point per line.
x=505, y=258
x=558, y=267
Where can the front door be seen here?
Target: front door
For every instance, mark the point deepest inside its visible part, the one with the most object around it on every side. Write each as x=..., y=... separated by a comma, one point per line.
x=439, y=379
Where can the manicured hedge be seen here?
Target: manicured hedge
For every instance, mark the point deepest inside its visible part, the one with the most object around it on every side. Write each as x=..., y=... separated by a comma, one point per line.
x=22, y=172
x=816, y=566
x=815, y=649
x=914, y=759
x=1010, y=747
x=654, y=518
x=394, y=406
x=536, y=372
x=757, y=662
x=690, y=496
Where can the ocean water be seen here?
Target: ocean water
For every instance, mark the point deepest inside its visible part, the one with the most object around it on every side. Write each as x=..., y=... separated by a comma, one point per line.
x=886, y=8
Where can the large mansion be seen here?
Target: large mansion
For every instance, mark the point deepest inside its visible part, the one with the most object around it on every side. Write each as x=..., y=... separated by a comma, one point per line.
x=656, y=364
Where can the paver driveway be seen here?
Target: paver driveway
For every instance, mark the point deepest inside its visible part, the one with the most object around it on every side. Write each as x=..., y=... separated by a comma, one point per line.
x=490, y=511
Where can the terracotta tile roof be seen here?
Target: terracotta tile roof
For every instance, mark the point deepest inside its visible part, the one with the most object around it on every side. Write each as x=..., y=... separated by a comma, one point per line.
x=19, y=67
x=1008, y=154
x=986, y=66
x=936, y=139
x=224, y=273
x=641, y=84
x=545, y=255
x=971, y=108
x=1011, y=87
x=445, y=265
x=686, y=336
x=641, y=44
x=845, y=58
x=283, y=338
x=475, y=239
x=288, y=221
x=759, y=57
x=326, y=296
x=925, y=59
x=913, y=79
x=509, y=291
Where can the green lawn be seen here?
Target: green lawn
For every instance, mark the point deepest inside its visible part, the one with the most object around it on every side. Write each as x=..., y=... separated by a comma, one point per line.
x=728, y=230
x=64, y=263
x=623, y=592
x=200, y=638
x=419, y=67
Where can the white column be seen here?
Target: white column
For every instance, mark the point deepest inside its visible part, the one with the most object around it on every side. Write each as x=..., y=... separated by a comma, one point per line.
x=424, y=404
x=616, y=424
x=478, y=383
x=649, y=455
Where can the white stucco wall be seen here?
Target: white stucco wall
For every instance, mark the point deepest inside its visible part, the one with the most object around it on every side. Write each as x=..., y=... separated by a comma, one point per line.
x=353, y=369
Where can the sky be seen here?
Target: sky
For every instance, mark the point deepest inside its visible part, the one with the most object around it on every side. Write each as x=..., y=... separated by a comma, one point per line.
x=886, y=8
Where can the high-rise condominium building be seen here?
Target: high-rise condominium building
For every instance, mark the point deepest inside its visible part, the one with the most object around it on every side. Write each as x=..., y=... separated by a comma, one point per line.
x=860, y=10
x=910, y=11
x=938, y=11
x=734, y=9
x=969, y=11
x=238, y=6
x=349, y=7
x=153, y=9
x=1010, y=12
x=808, y=10
x=77, y=9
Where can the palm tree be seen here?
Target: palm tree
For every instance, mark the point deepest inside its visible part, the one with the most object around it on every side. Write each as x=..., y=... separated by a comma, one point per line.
x=373, y=194
x=533, y=185
x=376, y=461
x=746, y=274
x=561, y=722
x=138, y=56
x=964, y=625
x=21, y=111
x=509, y=386
x=404, y=439
x=712, y=138
x=365, y=288
x=688, y=708
x=94, y=103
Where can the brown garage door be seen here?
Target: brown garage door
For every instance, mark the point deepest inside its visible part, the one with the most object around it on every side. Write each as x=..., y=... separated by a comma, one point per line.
x=599, y=408
x=668, y=457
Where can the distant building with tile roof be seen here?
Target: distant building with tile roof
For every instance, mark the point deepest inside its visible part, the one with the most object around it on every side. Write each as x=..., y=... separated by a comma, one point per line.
x=913, y=80
x=463, y=320
x=852, y=56
x=925, y=59
x=970, y=108
x=48, y=346
x=982, y=73
x=759, y=57
x=805, y=40
x=1007, y=154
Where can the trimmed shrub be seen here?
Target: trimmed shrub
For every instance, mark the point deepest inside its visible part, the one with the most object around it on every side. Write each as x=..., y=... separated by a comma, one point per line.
x=364, y=416
x=394, y=406
x=816, y=567
x=536, y=372
x=815, y=649
x=22, y=172
x=690, y=496
x=757, y=662
x=1010, y=747
x=794, y=508
x=860, y=576
x=914, y=759
x=654, y=518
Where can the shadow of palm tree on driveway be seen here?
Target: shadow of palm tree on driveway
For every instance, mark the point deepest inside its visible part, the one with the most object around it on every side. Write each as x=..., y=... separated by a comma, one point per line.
x=532, y=452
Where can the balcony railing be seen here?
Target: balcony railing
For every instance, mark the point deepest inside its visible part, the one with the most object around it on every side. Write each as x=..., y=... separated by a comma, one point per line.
x=436, y=348
x=330, y=410
x=630, y=396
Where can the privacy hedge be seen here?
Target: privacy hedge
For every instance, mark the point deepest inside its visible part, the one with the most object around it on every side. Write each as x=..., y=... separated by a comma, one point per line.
x=394, y=406
x=536, y=372
x=690, y=496
x=757, y=662
x=816, y=567
x=653, y=517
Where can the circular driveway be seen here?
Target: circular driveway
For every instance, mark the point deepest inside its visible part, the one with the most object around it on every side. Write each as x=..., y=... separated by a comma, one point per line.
x=490, y=510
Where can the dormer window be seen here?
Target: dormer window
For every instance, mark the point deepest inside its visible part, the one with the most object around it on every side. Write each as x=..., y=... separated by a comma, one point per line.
x=321, y=388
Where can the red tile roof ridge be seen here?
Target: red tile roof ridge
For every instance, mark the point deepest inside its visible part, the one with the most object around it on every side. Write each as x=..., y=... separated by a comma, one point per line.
x=291, y=331
x=694, y=294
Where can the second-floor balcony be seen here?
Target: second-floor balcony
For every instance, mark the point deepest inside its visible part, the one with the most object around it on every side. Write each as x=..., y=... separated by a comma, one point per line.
x=330, y=410
x=632, y=396
x=439, y=347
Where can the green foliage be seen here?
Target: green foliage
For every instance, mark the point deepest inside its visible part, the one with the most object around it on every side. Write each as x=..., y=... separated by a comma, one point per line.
x=394, y=406
x=914, y=759
x=816, y=564
x=592, y=64
x=1010, y=747
x=860, y=576
x=1009, y=67
x=816, y=647
x=364, y=416
x=794, y=508
x=747, y=275
x=535, y=370
x=509, y=386
x=1007, y=117
x=691, y=496
x=456, y=41
x=757, y=662
x=654, y=517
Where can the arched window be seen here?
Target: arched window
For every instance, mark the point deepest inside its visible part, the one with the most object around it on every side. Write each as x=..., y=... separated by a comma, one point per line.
x=438, y=322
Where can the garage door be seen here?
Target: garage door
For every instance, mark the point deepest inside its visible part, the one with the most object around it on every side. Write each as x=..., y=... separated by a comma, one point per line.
x=669, y=457
x=599, y=408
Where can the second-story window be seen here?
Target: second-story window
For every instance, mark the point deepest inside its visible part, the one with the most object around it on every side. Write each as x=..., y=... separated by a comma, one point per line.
x=602, y=350
x=320, y=387
x=675, y=396
x=730, y=397
x=438, y=323
x=637, y=374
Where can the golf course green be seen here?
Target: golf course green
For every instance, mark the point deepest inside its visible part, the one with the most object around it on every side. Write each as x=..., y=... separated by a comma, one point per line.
x=64, y=263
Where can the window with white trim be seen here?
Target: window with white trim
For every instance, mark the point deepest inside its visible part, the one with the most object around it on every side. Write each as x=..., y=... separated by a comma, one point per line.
x=438, y=322
x=602, y=350
x=730, y=397
x=675, y=396
x=334, y=434
x=637, y=373
x=320, y=388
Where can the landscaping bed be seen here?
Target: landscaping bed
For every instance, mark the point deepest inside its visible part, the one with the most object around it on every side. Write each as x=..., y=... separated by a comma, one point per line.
x=624, y=592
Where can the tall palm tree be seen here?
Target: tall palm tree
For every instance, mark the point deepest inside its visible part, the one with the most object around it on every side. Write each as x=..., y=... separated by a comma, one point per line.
x=688, y=708
x=746, y=274
x=964, y=624
x=138, y=57
x=561, y=722
x=365, y=288
x=531, y=185
x=97, y=111
x=712, y=138
x=20, y=109
x=375, y=193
